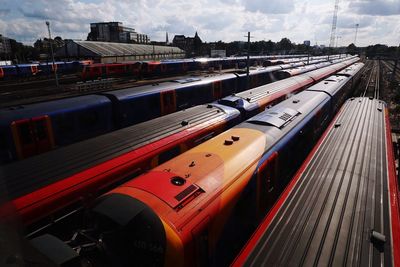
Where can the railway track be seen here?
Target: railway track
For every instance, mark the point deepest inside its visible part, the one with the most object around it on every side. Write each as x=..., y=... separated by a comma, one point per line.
x=390, y=66
x=372, y=85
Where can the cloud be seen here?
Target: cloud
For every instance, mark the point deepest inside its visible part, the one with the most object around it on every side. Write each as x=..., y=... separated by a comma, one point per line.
x=270, y=7
x=214, y=20
x=376, y=7
x=4, y=11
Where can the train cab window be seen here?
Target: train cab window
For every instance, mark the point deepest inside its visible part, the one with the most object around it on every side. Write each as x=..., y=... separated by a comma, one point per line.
x=88, y=119
x=169, y=154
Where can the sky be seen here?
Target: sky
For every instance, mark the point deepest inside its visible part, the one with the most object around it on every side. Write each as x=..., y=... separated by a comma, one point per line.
x=214, y=20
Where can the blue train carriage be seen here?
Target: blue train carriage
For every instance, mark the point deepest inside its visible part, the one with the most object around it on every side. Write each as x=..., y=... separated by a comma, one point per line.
x=33, y=129
x=138, y=104
x=58, y=66
x=27, y=70
x=8, y=72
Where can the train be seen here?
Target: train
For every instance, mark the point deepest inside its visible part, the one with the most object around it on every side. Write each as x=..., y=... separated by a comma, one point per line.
x=342, y=206
x=88, y=70
x=32, y=129
x=200, y=207
x=87, y=168
x=35, y=70
x=149, y=69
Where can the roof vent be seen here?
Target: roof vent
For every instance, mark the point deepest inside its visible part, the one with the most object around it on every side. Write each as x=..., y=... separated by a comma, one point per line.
x=275, y=117
x=178, y=181
x=378, y=239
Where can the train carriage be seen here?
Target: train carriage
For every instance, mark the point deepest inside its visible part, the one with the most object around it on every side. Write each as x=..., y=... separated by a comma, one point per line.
x=342, y=206
x=36, y=128
x=8, y=72
x=27, y=70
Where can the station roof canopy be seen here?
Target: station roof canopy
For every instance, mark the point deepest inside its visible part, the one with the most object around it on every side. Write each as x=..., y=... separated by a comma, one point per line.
x=122, y=49
x=107, y=49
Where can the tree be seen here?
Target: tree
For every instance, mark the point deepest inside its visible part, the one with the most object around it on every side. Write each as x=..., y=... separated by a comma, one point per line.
x=351, y=49
x=285, y=44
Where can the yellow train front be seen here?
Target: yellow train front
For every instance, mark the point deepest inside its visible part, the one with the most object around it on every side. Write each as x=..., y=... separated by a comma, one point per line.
x=200, y=207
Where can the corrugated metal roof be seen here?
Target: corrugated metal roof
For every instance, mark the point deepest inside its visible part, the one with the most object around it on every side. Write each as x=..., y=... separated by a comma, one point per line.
x=122, y=49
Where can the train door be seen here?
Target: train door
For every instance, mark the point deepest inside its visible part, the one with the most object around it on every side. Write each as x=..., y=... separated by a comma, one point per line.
x=163, y=68
x=34, y=69
x=168, y=102
x=185, y=67
x=267, y=184
x=1, y=73
x=23, y=138
x=104, y=72
x=32, y=136
x=43, y=134
x=217, y=90
x=54, y=67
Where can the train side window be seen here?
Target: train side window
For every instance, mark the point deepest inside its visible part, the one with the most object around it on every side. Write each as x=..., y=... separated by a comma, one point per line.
x=169, y=154
x=41, y=130
x=25, y=133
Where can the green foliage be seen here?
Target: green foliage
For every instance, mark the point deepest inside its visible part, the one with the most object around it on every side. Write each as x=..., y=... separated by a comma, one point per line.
x=379, y=50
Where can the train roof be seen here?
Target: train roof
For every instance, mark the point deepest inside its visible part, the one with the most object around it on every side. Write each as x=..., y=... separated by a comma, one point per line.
x=329, y=85
x=30, y=174
x=255, y=94
x=337, y=210
x=27, y=65
x=351, y=70
x=170, y=85
x=181, y=83
x=8, y=66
